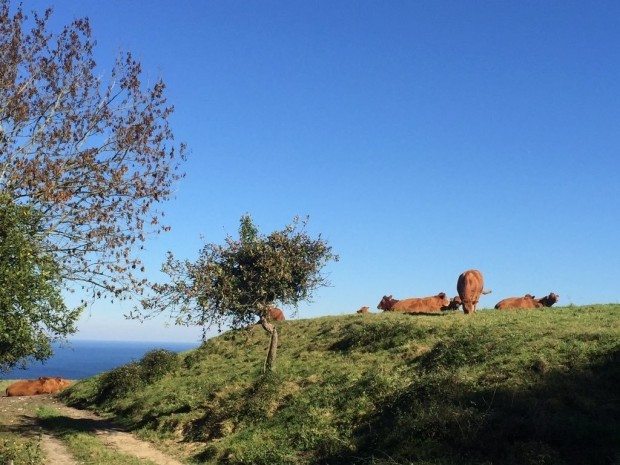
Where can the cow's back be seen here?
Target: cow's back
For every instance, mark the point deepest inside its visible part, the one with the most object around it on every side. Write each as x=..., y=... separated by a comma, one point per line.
x=518, y=302
x=419, y=305
x=469, y=286
x=24, y=388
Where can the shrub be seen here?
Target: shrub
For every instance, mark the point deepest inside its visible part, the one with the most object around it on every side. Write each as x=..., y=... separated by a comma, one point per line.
x=157, y=363
x=120, y=381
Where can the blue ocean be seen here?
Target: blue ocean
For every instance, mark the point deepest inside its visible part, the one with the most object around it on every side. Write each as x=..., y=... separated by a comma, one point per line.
x=81, y=359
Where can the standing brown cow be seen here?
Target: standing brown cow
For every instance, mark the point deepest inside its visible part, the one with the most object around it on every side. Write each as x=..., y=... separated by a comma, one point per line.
x=431, y=304
x=33, y=387
x=469, y=286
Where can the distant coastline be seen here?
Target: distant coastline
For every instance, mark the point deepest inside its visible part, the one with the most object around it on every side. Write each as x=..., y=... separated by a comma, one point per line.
x=77, y=358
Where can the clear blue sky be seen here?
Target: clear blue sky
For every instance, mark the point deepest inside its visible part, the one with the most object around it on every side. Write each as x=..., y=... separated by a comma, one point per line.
x=422, y=138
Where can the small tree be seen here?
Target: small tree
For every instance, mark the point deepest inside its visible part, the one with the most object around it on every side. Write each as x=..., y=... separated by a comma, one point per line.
x=95, y=156
x=32, y=311
x=237, y=282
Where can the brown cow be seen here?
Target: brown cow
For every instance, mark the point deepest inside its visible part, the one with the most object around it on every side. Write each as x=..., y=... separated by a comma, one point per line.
x=469, y=286
x=363, y=310
x=527, y=301
x=33, y=387
x=549, y=300
x=275, y=314
x=431, y=304
x=454, y=304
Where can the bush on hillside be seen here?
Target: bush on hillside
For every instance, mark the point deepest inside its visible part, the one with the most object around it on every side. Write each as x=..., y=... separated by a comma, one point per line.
x=157, y=363
x=120, y=381
x=127, y=378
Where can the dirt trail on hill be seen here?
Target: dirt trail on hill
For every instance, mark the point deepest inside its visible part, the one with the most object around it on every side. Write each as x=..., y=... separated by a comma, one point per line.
x=18, y=415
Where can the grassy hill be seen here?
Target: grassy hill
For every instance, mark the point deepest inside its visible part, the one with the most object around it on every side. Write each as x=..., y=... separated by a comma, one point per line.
x=522, y=387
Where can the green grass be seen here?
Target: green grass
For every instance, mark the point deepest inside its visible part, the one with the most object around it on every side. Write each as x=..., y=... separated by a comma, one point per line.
x=13, y=446
x=522, y=387
x=19, y=450
x=83, y=445
x=4, y=383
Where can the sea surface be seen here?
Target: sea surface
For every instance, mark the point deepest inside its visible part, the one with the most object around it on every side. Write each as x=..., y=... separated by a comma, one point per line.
x=81, y=359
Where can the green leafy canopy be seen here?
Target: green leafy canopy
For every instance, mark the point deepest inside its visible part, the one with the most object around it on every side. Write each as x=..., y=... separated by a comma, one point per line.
x=32, y=311
x=236, y=282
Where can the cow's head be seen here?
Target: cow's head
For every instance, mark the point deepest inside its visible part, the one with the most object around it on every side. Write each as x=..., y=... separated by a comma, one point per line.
x=444, y=300
x=363, y=310
x=386, y=303
x=454, y=304
x=549, y=300
x=468, y=306
x=63, y=383
x=528, y=296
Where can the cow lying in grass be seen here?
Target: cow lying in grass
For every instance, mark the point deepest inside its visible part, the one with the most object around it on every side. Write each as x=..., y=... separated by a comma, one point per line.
x=33, y=387
x=363, y=310
x=432, y=304
x=527, y=301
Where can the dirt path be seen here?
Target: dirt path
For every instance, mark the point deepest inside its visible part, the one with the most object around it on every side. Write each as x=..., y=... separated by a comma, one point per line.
x=55, y=451
x=18, y=414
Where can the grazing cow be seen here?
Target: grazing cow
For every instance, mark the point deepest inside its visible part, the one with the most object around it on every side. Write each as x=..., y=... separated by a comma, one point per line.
x=527, y=301
x=275, y=314
x=363, y=310
x=454, y=304
x=549, y=300
x=431, y=304
x=35, y=387
x=469, y=286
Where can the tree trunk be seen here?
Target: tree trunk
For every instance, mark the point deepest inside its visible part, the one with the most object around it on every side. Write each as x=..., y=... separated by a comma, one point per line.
x=270, y=361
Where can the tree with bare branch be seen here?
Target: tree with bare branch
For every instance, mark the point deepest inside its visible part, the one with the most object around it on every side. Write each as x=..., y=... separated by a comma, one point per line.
x=95, y=157
x=236, y=283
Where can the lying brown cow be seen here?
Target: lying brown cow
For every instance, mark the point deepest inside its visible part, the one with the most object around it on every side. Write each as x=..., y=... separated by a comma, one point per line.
x=363, y=310
x=33, y=387
x=454, y=304
x=527, y=301
x=275, y=314
x=431, y=304
x=469, y=286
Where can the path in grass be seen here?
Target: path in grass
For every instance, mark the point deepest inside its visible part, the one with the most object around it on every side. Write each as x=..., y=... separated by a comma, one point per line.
x=55, y=451
x=19, y=415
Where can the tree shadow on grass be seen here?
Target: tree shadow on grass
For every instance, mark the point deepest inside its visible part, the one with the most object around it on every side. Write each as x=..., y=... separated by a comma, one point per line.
x=560, y=418
x=62, y=425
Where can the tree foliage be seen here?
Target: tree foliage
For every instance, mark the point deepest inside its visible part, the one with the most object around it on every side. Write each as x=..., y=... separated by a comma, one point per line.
x=94, y=156
x=32, y=311
x=236, y=283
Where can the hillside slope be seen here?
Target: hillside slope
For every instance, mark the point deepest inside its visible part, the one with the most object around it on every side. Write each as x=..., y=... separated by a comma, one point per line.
x=522, y=387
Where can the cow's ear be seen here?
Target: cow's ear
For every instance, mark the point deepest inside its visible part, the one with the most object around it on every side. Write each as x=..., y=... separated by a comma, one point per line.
x=441, y=294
